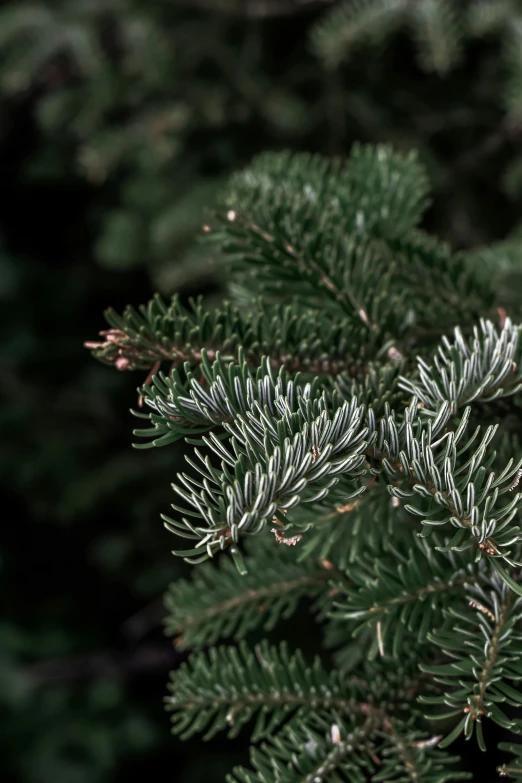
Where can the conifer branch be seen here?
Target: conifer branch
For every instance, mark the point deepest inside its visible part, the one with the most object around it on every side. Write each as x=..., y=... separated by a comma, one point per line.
x=353, y=23
x=325, y=753
x=171, y=335
x=218, y=602
x=414, y=758
x=301, y=462
x=384, y=507
x=429, y=469
x=229, y=686
x=482, y=369
x=310, y=269
x=514, y=768
x=404, y=592
x=481, y=670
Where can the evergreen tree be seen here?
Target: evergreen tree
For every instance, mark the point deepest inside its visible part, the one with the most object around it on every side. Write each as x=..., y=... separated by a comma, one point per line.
x=354, y=410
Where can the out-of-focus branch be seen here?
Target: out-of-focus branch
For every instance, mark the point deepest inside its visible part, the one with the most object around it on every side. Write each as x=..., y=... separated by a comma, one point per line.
x=106, y=663
x=508, y=131
x=256, y=9
x=146, y=619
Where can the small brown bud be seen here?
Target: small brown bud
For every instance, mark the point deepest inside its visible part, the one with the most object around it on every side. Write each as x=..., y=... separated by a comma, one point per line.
x=112, y=335
x=394, y=353
x=336, y=734
x=122, y=363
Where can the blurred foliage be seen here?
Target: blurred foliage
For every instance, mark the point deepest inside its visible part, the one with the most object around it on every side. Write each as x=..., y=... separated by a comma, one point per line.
x=119, y=121
x=153, y=104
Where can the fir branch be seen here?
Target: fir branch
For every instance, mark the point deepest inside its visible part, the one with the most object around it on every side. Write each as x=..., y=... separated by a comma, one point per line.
x=484, y=368
x=227, y=687
x=481, y=672
x=305, y=264
x=377, y=389
x=315, y=752
x=413, y=757
x=413, y=453
x=462, y=494
x=169, y=333
x=353, y=23
x=376, y=194
x=219, y=603
x=207, y=400
x=435, y=23
x=484, y=16
x=327, y=449
x=158, y=332
x=514, y=768
x=352, y=529
x=438, y=30
x=403, y=592
x=348, y=748
x=303, y=454
x=424, y=262
x=345, y=295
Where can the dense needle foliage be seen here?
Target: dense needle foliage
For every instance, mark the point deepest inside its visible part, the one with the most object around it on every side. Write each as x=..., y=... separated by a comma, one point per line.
x=354, y=413
x=120, y=121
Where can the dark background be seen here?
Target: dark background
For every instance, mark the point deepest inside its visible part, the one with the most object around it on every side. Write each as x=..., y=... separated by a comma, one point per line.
x=107, y=160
